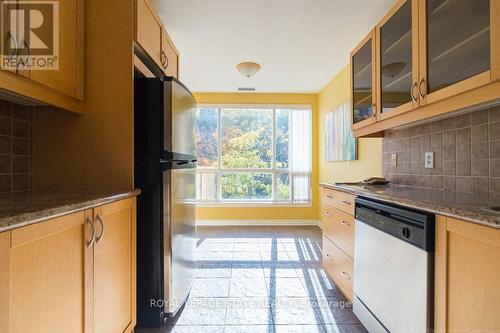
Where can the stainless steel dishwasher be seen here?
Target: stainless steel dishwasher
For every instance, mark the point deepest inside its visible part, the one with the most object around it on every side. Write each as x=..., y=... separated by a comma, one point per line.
x=393, y=267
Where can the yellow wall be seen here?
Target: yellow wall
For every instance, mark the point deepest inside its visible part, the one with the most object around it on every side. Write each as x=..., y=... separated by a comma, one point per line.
x=254, y=213
x=336, y=92
x=369, y=162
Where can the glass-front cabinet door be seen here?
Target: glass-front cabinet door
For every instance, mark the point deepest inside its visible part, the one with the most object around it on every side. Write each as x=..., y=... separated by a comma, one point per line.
x=363, y=81
x=455, y=46
x=397, y=45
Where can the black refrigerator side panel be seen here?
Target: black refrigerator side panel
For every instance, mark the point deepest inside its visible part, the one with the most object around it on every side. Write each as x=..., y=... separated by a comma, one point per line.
x=149, y=178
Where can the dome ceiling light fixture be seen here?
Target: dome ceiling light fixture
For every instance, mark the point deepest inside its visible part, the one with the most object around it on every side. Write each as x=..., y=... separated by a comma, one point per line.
x=393, y=69
x=248, y=69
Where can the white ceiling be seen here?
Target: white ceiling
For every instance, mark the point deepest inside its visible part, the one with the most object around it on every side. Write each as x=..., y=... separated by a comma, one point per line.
x=300, y=44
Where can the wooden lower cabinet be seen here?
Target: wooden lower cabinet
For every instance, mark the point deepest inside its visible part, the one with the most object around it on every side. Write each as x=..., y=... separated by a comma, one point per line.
x=54, y=280
x=46, y=269
x=114, y=267
x=338, y=227
x=339, y=266
x=339, y=200
x=467, y=273
x=337, y=224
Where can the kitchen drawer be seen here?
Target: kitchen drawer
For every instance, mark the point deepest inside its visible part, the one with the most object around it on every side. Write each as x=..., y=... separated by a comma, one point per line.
x=339, y=228
x=339, y=200
x=339, y=266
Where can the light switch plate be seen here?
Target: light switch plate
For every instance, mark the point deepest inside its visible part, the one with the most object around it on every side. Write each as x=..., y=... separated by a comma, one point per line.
x=394, y=160
x=429, y=160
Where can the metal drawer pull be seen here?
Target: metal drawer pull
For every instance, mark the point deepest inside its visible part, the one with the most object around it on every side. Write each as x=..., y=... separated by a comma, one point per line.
x=345, y=202
x=345, y=223
x=99, y=219
x=329, y=196
x=347, y=275
x=92, y=226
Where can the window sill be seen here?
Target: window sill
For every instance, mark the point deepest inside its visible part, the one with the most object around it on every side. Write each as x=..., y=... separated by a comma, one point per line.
x=252, y=204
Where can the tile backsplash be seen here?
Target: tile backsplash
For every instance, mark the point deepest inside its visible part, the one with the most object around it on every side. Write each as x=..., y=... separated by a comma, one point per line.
x=466, y=153
x=16, y=147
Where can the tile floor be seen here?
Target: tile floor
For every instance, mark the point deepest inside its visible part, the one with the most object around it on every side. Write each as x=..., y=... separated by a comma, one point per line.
x=263, y=279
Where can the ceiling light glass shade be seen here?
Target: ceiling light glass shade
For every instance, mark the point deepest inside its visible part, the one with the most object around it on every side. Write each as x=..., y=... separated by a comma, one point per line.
x=393, y=69
x=248, y=69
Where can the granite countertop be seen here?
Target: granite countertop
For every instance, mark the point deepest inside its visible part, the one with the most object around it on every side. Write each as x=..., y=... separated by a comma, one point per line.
x=22, y=209
x=464, y=206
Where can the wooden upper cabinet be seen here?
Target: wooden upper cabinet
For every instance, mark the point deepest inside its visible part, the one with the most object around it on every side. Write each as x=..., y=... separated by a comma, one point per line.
x=114, y=267
x=397, y=45
x=148, y=30
x=432, y=57
x=68, y=79
x=170, y=58
x=364, y=82
x=458, y=48
x=154, y=40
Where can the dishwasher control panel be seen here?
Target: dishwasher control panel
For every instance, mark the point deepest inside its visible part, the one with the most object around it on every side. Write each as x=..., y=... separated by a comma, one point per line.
x=410, y=225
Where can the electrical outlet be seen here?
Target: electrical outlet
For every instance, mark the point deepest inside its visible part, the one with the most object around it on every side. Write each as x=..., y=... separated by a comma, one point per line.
x=394, y=160
x=429, y=160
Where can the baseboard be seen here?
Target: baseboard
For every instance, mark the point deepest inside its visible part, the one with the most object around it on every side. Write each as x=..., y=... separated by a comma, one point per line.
x=266, y=222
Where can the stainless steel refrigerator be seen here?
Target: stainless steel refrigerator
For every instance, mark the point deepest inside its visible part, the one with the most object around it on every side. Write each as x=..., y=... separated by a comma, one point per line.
x=165, y=166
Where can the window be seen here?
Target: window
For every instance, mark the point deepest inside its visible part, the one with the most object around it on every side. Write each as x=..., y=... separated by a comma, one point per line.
x=253, y=154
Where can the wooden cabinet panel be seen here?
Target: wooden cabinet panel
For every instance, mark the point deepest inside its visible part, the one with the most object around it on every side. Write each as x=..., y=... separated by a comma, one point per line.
x=68, y=79
x=48, y=268
x=170, y=57
x=114, y=268
x=340, y=200
x=338, y=227
x=444, y=47
x=466, y=277
x=495, y=39
x=364, y=82
x=148, y=30
x=4, y=281
x=454, y=67
x=339, y=266
x=397, y=45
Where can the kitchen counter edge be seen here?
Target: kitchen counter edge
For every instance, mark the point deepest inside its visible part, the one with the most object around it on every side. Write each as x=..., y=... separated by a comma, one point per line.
x=14, y=221
x=491, y=220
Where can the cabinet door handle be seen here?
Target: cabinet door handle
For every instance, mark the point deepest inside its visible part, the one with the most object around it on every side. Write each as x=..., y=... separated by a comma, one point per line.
x=412, y=91
x=345, y=202
x=28, y=50
x=329, y=196
x=422, y=94
x=346, y=223
x=374, y=110
x=101, y=235
x=16, y=45
x=166, y=62
x=90, y=222
x=327, y=213
x=162, y=58
x=347, y=275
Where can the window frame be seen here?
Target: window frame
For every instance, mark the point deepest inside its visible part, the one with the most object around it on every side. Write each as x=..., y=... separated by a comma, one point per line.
x=219, y=170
